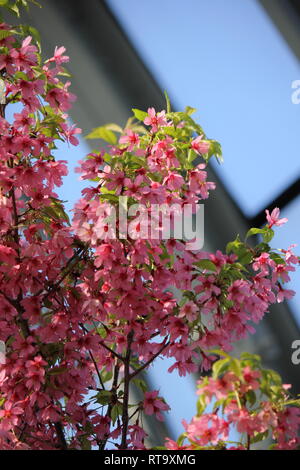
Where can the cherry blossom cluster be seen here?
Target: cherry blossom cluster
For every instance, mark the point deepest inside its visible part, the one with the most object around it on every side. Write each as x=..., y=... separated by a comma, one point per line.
x=47, y=371
x=241, y=405
x=85, y=310
x=222, y=294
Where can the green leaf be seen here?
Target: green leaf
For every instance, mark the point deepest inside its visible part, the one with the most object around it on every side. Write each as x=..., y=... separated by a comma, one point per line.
x=110, y=197
x=141, y=384
x=104, y=190
x=101, y=332
x=215, y=149
x=139, y=129
x=135, y=160
x=201, y=404
x=188, y=294
x=85, y=443
x=57, y=370
x=271, y=377
x=268, y=235
x=233, y=246
x=219, y=352
x=31, y=31
x=140, y=115
x=235, y=365
x=253, y=358
x=266, y=232
x=189, y=111
x=103, y=133
x=168, y=102
x=253, y=231
x=107, y=158
x=3, y=2
x=192, y=155
x=56, y=211
x=262, y=248
x=21, y=75
x=115, y=412
x=206, y=264
x=48, y=303
x=106, y=376
x=241, y=250
x=34, y=2
x=63, y=72
x=219, y=366
x=260, y=436
x=292, y=402
x=251, y=397
x=14, y=9
x=180, y=439
x=246, y=257
x=104, y=397
x=113, y=127
x=275, y=377
x=277, y=258
x=5, y=33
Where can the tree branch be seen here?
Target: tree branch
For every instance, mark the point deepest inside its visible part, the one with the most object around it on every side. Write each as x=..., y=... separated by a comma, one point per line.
x=137, y=371
x=113, y=400
x=127, y=378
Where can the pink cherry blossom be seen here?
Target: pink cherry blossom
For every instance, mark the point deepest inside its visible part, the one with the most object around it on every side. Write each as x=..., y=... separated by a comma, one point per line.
x=273, y=219
x=130, y=138
x=200, y=146
x=10, y=415
x=25, y=57
x=70, y=132
x=153, y=404
x=58, y=57
x=155, y=120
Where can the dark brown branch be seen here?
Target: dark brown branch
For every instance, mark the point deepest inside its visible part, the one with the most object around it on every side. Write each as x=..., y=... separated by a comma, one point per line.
x=113, y=400
x=118, y=356
x=60, y=435
x=97, y=370
x=54, y=287
x=114, y=353
x=125, y=416
x=248, y=441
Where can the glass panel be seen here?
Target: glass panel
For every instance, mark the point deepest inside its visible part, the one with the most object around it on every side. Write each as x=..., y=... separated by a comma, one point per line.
x=228, y=60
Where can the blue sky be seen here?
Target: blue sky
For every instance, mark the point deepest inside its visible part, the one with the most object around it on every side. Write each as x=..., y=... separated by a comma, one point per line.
x=226, y=59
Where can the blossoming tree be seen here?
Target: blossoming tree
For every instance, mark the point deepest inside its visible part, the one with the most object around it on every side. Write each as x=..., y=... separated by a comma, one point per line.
x=85, y=309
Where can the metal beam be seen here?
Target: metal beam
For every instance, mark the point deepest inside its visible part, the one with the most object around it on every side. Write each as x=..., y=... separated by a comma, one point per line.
x=285, y=15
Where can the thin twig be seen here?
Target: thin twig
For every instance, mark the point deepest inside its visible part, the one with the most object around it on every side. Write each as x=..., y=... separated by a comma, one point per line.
x=97, y=370
x=137, y=371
